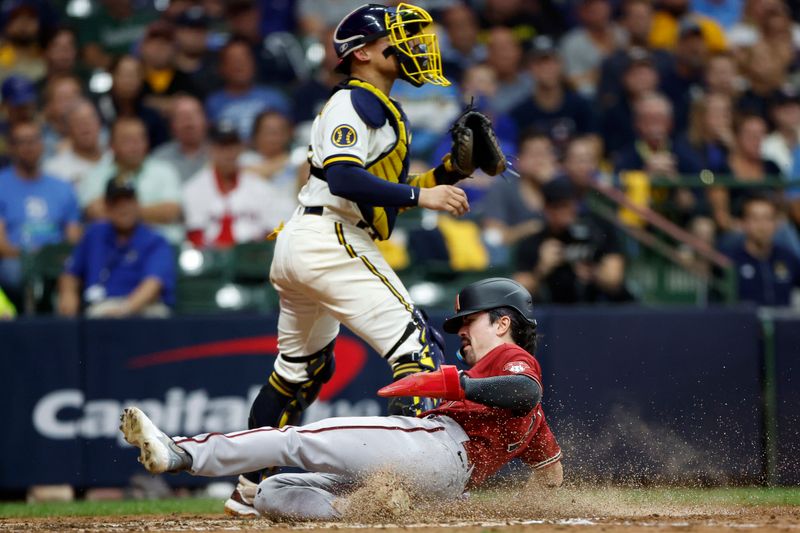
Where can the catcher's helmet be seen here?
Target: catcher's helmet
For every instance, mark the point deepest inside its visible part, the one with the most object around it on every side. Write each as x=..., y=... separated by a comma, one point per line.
x=409, y=33
x=489, y=294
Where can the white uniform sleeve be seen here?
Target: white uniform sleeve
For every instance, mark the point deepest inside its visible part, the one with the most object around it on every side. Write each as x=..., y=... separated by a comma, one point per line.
x=341, y=135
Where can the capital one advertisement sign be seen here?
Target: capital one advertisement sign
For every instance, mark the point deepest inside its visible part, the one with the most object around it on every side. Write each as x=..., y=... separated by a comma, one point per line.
x=204, y=381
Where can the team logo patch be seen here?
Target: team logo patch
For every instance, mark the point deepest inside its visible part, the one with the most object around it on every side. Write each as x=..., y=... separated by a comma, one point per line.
x=516, y=367
x=344, y=136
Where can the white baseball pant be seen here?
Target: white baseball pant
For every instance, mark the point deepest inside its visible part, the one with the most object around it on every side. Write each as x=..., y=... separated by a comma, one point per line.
x=328, y=271
x=337, y=453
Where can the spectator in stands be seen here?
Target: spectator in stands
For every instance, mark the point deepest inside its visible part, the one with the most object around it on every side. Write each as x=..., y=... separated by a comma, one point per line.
x=189, y=151
x=271, y=158
x=711, y=131
x=670, y=15
x=61, y=56
x=686, y=75
x=240, y=100
x=161, y=79
x=584, y=47
x=581, y=165
x=125, y=99
x=60, y=94
x=223, y=204
x=504, y=55
x=660, y=154
x=766, y=271
x=722, y=76
x=636, y=21
x=765, y=74
x=273, y=65
x=193, y=57
x=20, y=53
x=639, y=77
x=753, y=22
x=112, y=30
x=309, y=96
x=782, y=147
x=574, y=258
x=512, y=210
x=35, y=209
x=553, y=107
x=745, y=164
x=460, y=46
x=158, y=186
x=83, y=151
x=121, y=267
x=18, y=105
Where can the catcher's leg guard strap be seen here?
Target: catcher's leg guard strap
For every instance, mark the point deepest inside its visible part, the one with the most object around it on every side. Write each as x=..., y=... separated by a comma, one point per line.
x=280, y=403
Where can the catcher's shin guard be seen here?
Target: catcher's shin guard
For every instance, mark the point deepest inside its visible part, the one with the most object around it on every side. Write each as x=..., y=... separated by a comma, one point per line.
x=429, y=358
x=281, y=403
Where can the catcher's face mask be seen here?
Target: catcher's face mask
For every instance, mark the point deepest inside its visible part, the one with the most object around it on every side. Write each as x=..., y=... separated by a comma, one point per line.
x=414, y=43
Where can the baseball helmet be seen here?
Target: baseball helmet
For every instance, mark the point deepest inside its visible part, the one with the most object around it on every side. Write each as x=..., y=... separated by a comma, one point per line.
x=411, y=38
x=488, y=294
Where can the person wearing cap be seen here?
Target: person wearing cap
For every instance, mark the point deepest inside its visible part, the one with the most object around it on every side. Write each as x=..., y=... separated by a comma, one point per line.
x=224, y=205
x=686, y=75
x=584, y=47
x=158, y=186
x=669, y=22
x=575, y=258
x=35, y=208
x=552, y=107
x=161, y=79
x=639, y=77
x=121, y=267
x=20, y=52
x=18, y=104
x=193, y=56
x=491, y=414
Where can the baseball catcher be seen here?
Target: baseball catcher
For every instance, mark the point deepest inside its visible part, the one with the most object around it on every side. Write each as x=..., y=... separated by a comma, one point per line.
x=326, y=267
x=491, y=414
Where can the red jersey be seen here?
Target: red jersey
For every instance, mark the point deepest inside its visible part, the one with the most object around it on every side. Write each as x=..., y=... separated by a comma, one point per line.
x=496, y=436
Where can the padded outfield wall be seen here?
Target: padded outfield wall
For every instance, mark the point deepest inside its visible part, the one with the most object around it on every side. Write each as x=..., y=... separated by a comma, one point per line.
x=631, y=393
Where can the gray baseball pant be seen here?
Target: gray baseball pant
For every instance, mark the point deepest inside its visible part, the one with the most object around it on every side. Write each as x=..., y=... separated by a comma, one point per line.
x=337, y=453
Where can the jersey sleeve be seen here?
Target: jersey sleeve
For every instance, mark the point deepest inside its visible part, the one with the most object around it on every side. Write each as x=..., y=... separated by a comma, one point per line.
x=515, y=361
x=342, y=136
x=543, y=449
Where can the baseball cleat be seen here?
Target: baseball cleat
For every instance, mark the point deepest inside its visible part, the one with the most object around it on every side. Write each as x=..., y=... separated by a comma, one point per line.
x=241, y=504
x=158, y=452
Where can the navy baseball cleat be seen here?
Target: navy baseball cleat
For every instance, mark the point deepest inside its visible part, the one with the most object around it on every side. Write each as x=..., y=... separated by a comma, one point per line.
x=159, y=453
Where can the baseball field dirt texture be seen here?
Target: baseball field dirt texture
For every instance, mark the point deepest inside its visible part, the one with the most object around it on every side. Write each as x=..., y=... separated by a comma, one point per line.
x=383, y=505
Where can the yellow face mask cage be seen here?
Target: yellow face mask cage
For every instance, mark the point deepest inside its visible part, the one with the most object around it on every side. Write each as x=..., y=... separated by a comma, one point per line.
x=410, y=33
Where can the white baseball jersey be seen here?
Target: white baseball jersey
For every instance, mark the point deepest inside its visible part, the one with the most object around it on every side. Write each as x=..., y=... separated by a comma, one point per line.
x=250, y=204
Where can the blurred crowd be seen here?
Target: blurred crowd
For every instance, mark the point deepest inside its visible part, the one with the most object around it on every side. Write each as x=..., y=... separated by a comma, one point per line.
x=131, y=128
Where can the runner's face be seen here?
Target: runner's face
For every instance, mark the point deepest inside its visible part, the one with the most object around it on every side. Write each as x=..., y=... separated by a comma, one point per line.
x=478, y=336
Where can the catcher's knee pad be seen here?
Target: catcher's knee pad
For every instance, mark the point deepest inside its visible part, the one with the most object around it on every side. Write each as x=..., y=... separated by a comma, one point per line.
x=429, y=357
x=281, y=402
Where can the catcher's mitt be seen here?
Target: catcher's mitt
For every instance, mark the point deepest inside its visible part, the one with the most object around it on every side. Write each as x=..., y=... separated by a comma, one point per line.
x=475, y=145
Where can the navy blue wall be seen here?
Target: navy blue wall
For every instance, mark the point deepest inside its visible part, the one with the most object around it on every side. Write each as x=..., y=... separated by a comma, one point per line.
x=631, y=393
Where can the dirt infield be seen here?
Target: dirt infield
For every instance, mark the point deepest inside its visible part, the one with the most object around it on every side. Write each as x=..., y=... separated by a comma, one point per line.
x=751, y=519
x=608, y=510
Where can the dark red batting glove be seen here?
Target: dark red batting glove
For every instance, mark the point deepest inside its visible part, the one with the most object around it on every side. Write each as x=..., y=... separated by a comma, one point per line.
x=444, y=383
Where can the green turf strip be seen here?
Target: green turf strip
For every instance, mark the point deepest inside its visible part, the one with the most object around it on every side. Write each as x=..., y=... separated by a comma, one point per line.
x=111, y=508
x=721, y=496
